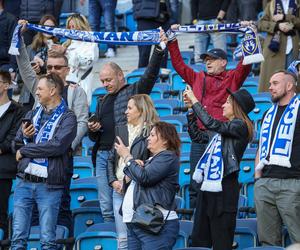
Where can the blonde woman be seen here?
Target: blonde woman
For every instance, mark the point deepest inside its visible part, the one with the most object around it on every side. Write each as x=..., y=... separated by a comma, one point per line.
x=81, y=56
x=141, y=115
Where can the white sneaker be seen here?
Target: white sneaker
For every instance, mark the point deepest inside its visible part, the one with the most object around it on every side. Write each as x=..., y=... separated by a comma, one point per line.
x=110, y=53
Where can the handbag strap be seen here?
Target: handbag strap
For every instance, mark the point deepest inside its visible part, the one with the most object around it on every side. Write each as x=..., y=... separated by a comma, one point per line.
x=167, y=216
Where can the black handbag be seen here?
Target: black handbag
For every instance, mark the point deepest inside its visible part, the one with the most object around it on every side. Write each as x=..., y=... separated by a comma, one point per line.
x=149, y=218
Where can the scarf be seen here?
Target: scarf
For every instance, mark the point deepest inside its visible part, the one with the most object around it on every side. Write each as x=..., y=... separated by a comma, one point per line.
x=281, y=148
x=250, y=48
x=211, y=166
x=293, y=67
x=147, y=37
x=275, y=41
x=38, y=166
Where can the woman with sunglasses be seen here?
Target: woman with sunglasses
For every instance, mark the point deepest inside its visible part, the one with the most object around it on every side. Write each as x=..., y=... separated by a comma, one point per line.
x=218, y=168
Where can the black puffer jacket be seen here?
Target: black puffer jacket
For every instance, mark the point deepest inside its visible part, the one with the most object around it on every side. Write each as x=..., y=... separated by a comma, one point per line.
x=150, y=9
x=157, y=181
x=10, y=122
x=234, y=138
x=138, y=150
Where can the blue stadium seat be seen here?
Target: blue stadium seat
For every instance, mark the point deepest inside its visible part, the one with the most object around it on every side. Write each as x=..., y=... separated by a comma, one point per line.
x=179, y=121
x=1, y=234
x=243, y=202
x=246, y=233
x=166, y=106
x=177, y=82
x=231, y=65
x=185, y=142
x=82, y=169
x=99, y=236
x=158, y=90
x=82, y=191
x=87, y=146
x=186, y=56
x=34, y=237
x=85, y=217
x=179, y=202
x=98, y=93
x=251, y=84
x=185, y=232
x=247, y=166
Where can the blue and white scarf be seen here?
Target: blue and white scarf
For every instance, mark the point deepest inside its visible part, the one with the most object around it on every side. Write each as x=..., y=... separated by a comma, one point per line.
x=147, y=37
x=280, y=150
x=210, y=167
x=38, y=166
x=250, y=48
x=293, y=67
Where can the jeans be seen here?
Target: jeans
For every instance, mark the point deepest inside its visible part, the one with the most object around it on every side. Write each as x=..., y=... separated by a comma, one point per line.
x=48, y=201
x=174, y=4
x=202, y=40
x=104, y=189
x=120, y=226
x=97, y=8
x=138, y=239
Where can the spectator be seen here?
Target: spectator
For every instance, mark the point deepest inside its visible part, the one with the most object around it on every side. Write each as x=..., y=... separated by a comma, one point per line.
x=295, y=69
x=13, y=7
x=210, y=89
x=110, y=113
x=10, y=120
x=76, y=100
x=277, y=170
x=215, y=216
x=153, y=182
x=151, y=15
x=281, y=46
x=141, y=115
x=81, y=55
x=38, y=55
x=7, y=25
x=209, y=12
x=42, y=171
x=33, y=10
x=98, y=8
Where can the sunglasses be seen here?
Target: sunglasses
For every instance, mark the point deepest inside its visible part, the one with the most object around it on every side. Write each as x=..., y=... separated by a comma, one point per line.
x=56, y=67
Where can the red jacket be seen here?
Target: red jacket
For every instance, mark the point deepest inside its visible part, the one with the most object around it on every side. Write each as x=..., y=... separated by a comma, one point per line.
x=214, y=94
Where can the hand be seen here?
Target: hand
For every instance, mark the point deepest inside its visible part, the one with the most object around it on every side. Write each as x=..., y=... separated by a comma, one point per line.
x=189, y=96
x=39, y=61
x=23, y=23
x=162, y=36
x=94, y=126
x=28, y=131
x=57, y=48
x=81, y=2
x=140, y=163
x=117, y=186
x=13, y=75
x=277, y=17
x=19, y=156
x=121, y=149
x=175, y=27
x=36, y=68
x=285, y=27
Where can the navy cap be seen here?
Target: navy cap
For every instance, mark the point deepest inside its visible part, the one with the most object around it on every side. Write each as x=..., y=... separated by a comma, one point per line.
x=215, y=53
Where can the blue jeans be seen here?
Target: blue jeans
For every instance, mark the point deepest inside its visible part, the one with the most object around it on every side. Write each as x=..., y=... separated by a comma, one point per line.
x=120, y=226
x=138, y=239
x=104, y=190
x=48, y=201
x=97, y=8
x=202, y=40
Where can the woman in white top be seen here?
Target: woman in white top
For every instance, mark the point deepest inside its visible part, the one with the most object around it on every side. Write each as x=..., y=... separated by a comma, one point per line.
x=82, y=56
x=141, y=115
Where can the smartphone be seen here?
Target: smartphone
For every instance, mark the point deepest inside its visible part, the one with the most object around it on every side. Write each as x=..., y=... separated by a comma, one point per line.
x=93, y=118
x=27, y=122
x=32, y=63
x=188, y=87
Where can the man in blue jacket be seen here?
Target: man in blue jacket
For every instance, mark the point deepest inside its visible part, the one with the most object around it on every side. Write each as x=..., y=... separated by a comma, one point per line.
x=42, y=170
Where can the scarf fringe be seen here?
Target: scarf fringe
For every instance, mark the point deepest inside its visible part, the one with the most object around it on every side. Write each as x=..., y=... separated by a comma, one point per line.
x=253, y=59
x=211, y=186
x=198, y=175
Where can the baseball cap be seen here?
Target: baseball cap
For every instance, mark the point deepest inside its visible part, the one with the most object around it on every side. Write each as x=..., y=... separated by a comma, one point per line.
x=215, y=53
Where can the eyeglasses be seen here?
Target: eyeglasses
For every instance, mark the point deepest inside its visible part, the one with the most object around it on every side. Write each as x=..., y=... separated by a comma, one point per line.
x=3, y=81
x=56, y=67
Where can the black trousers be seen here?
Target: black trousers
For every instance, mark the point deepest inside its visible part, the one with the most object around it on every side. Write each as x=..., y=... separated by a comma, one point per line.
x=215, y=217
x=5, y=185
x=144, y=51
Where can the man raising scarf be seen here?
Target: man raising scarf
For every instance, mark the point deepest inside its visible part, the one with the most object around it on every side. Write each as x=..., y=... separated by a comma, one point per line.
x=47, y=134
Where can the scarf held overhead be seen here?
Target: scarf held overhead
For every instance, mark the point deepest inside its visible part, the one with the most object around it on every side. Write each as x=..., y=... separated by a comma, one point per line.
x=279, y=152
x=250, y=47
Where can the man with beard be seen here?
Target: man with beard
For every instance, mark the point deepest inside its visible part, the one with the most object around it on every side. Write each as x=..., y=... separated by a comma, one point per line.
x=277, y=171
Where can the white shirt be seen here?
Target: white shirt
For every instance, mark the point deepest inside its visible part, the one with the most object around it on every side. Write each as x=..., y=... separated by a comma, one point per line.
x=127, y=207
x=4, y=107
x=289, y=44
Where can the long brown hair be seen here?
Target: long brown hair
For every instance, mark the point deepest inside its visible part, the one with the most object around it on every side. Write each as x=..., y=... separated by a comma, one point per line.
x=240, y=114
x=38, y=40
x=168, y=133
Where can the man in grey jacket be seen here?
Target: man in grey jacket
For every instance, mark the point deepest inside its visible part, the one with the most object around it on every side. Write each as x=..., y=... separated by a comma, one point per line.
x=76, y=100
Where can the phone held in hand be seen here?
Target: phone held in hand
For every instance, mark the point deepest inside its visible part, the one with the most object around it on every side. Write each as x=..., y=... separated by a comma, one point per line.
x=27, y=122
x=32, y=63
x=93, y=118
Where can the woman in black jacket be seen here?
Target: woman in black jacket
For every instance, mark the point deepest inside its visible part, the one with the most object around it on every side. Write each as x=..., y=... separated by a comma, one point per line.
x=141, y=115
x=153, y=182
x=217, y=170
